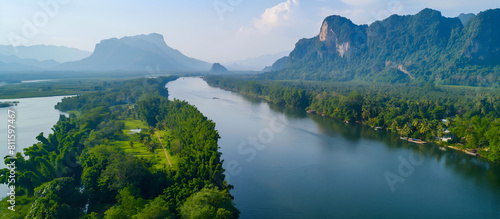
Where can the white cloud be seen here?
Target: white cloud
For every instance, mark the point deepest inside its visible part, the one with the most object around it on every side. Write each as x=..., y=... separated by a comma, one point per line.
x=272, y=17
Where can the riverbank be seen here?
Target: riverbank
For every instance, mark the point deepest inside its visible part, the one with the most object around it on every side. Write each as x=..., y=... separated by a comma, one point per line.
x=472, y=152
x=349, y=108
x=460, y=148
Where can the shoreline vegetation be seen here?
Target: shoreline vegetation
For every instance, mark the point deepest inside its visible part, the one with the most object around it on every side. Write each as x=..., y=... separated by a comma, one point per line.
x=463, y=119
x=49, y=88
x=106, y=161
x=76, y=83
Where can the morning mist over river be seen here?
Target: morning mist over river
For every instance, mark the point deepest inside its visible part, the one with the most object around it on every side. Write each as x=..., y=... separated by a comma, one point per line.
x=307, y=166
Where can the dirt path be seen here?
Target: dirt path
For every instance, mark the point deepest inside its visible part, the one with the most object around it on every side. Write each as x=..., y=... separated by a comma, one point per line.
x=166, y=155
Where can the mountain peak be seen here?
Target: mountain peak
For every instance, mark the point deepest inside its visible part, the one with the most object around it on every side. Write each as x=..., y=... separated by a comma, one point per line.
x=217, y=68
x=483, y=34
x=333, y=26
x=427, y=12
x=339, y=34
x=464, y=18
x=152, y=37
x=137, y=53
x=421, y=47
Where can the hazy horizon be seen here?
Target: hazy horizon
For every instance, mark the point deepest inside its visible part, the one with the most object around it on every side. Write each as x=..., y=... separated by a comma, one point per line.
x=212, y=31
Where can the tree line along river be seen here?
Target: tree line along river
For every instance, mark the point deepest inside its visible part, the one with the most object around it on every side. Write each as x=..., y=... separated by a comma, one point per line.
x=285, y=163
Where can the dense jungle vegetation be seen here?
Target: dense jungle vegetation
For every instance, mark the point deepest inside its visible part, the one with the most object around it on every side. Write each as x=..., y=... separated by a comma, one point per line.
x=95, y=166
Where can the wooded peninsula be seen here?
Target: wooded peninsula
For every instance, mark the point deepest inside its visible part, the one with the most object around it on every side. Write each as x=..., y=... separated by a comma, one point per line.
x=106, y=159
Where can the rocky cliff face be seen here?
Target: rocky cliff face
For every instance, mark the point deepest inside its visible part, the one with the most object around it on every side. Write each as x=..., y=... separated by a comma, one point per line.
x=339, y=33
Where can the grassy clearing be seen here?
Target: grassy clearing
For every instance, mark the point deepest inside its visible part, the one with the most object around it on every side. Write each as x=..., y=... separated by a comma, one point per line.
x=138, y=149
x=134, y=124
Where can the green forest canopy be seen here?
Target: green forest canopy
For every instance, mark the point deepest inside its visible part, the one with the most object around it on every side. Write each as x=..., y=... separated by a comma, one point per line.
x=80, y=166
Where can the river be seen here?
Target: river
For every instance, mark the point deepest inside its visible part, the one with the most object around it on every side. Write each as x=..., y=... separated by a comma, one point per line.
x=285, y=163
x=33, y=116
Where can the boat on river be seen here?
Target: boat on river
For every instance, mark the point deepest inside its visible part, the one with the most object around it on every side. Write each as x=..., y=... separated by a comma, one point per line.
x=416, y=141
x=472, y=152
x=313, y=112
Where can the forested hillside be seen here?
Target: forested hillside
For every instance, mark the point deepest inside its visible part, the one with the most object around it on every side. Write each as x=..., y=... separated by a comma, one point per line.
x=97, y=164
x=411, y=48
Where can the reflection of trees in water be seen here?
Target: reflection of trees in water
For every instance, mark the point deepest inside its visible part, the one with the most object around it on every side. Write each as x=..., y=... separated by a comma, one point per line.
x=479, y=170
x=253, y=100
x=288, y=111
x=482, y=171
x=351, y=132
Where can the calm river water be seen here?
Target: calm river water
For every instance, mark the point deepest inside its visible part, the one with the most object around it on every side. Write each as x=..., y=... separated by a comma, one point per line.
x=284, y=163
x=33, y=116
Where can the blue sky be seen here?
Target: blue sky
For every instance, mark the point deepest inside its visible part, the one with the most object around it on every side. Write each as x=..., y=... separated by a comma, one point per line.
x=210, y=30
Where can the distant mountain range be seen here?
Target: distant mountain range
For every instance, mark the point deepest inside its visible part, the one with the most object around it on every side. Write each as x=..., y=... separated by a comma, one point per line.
x=16, y=67
x=44, y=53
x=136, y=53
x=277, y=65
x=412, y=48
x=256, y=63
x=36, y=58
x=17, y=63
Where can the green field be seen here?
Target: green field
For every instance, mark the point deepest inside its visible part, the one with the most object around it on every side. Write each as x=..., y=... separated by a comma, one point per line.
x=134, y=124
x=141, y=151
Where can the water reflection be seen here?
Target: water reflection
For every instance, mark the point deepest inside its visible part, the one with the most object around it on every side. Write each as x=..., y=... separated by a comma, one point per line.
x=323, y=168
x=482, y=171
